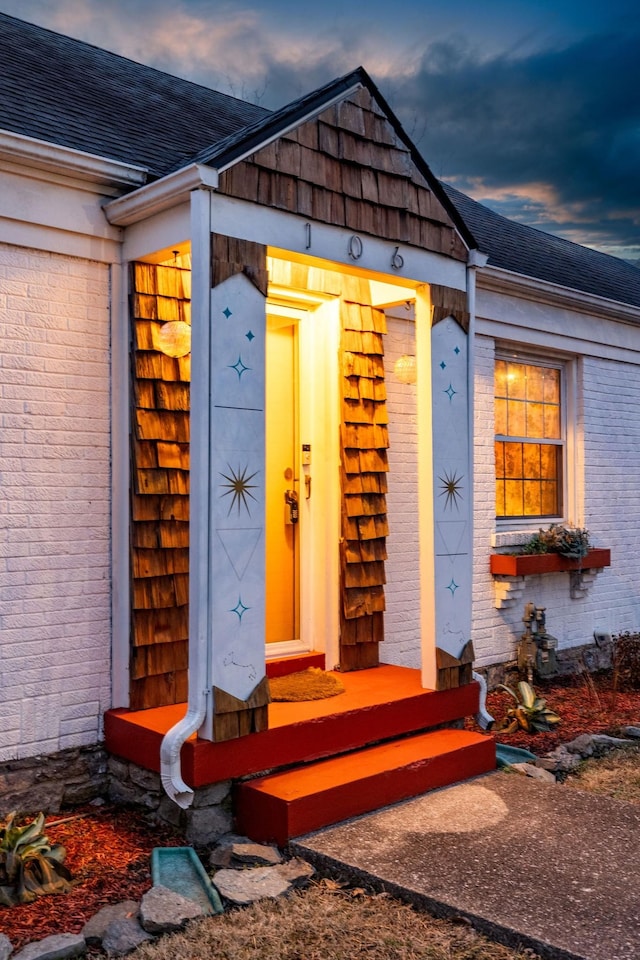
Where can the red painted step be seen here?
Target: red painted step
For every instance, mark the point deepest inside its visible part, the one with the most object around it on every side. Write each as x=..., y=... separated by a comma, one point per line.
x=284, y=805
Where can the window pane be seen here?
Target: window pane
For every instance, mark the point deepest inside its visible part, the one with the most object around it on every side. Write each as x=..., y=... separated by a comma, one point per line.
x=551, y=422
x=551, y=385
x=501, y=417
x=532, y=461
x=499, y=452
x=500, y=377
x=516, y=418
x=532, y=501
x=535, y=420
x=550, y=506
x=500, y=506
x=513, y=460
x=535, y=383
x=513, y=498
x=549, y=461
x=516, y=381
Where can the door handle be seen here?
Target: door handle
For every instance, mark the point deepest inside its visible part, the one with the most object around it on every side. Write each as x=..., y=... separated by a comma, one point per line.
x=291, y=499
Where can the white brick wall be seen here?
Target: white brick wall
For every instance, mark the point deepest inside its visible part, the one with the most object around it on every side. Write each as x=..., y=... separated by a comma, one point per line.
x=608, y=439
x=54, y=501
x=402, y=591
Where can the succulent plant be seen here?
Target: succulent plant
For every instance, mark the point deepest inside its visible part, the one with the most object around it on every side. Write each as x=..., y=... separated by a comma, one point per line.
x=568, y=541
x=29, y=865
x=530, y=713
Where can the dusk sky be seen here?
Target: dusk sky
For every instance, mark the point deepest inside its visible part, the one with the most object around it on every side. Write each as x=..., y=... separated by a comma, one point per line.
x=531, y=106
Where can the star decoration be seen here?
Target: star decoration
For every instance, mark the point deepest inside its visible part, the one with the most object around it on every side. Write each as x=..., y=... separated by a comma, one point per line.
x=227, y=312
x=250, y=336
x=451, y=488
x=239, y=608
x=453, y=586
x=442, y=364
x=239, y=488
x=456, y=350
x=450, y=391
x=239, y=366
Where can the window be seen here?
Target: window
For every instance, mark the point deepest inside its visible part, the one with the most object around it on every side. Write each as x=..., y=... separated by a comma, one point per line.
x=530, y=439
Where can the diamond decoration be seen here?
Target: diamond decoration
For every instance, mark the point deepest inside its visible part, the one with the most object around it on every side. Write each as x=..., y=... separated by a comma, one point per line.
x=442, y=364
x=239, y=608
x=227, y=312
x=456, y=350
x=450, y=391
x=250, y=336
x=239, y=367
x=453, y=586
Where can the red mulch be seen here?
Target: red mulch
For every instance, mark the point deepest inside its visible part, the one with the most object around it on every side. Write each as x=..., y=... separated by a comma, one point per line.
x=109, y=855
x=109, y=849
x=585, y=703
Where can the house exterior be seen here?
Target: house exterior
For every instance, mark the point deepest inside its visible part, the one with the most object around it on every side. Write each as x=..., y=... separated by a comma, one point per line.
x=262, y=390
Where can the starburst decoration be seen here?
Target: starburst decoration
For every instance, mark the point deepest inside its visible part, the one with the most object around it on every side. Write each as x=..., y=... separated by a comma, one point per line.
x=239, y=488
x=451, y=488
x=450, y=392
x=453, y=586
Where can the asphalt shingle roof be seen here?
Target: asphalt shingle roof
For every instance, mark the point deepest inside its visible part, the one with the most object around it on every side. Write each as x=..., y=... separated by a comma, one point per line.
x=76, y=95
x=71, y=93
x=525, y=250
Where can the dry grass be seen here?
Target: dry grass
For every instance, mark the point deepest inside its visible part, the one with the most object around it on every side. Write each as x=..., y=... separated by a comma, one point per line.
x=327, y=922
x=615, y=775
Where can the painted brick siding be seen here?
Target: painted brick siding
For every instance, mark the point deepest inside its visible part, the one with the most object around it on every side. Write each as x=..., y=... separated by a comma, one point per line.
x=54, y=502
x=402, y=615
x=609, y=444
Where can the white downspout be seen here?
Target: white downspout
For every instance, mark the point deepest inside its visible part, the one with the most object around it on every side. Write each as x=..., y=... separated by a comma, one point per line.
x=475, y=260
x=199, y=683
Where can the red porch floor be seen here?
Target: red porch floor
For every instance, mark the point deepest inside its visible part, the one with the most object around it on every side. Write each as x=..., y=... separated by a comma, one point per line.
x=378, y=704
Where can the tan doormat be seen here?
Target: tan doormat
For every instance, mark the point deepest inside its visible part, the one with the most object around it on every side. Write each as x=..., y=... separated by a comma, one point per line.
x=311, y=684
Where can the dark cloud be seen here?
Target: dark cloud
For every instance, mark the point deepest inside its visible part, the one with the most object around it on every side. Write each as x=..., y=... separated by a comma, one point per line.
x=564, y=121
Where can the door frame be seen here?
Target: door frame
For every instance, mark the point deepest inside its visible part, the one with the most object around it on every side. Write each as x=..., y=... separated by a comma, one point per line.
x=318, y=331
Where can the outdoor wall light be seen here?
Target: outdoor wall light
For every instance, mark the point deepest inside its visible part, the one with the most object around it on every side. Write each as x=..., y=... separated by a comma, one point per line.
x=404, y=368
x=174, y=338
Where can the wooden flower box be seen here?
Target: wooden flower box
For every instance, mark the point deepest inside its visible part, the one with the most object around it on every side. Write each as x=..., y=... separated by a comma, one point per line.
x=530, y=564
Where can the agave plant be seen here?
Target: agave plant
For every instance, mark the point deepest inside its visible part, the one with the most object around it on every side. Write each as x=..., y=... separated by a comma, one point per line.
x=530, y=712
x=30, y=866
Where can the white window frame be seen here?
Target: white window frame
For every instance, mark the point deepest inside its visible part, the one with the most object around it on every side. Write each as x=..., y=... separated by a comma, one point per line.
x=522, y=527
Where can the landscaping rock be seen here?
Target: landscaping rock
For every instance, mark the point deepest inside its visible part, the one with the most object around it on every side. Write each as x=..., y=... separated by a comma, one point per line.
x=163, y=911
x=296, y=871
x=123, y=936
x=582, y=745
x=254, y=855
x=6, y=947
x=633, y=732
x=220, y=856
x=246, y=886
x=206, y=825
x=603, y=743
x=95, y=928
x=531, y=770
x=563, y=760
x=60, y=946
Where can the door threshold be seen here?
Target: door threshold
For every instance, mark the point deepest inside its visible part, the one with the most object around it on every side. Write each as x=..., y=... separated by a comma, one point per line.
x=282, y=666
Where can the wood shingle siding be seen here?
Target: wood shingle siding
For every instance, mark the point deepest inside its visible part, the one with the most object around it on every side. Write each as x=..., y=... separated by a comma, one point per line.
x=348, y=168
x=364, y=442
x=159, y=491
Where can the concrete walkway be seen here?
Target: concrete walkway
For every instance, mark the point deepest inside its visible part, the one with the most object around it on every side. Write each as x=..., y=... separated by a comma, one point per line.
x=530, y=864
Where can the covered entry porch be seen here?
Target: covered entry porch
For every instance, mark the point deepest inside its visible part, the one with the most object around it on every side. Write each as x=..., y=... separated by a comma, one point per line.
x=199, y=460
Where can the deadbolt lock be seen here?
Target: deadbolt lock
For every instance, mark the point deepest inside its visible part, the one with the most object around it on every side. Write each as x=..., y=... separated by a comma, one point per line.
x=291, y=499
